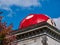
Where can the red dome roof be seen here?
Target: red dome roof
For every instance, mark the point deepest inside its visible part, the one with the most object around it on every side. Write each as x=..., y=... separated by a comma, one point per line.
x=33, y=19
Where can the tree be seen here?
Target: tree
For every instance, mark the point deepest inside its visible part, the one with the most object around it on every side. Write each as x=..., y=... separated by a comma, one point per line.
x=5, y=34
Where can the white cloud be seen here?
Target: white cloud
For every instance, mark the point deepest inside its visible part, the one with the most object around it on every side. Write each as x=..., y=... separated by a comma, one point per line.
x=5, y=4
x=23, y=3
x=57, y=21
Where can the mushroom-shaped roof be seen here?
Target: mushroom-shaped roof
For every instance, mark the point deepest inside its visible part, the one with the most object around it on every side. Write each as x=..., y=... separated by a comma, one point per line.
x=33, y=19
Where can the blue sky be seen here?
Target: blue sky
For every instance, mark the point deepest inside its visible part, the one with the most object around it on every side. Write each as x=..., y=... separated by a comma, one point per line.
x=15, y=10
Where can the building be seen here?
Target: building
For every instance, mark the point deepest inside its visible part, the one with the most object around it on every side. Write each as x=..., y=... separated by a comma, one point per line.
x=35, y=29
x=42, y=33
